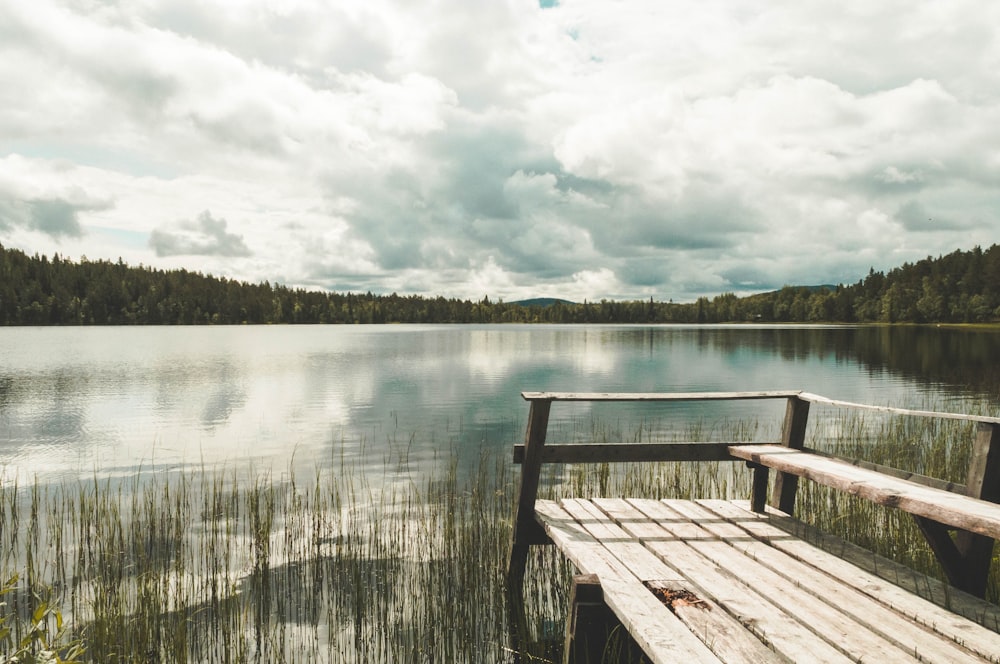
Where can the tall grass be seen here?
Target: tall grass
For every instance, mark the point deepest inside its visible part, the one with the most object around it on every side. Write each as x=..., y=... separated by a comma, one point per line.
x=937, y=448
x=349, y=566
x=211, y=567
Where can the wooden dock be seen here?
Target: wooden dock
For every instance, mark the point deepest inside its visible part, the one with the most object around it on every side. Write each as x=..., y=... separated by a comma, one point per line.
x=714, y=580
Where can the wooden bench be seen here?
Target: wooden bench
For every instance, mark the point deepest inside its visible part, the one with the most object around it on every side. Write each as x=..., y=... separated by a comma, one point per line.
x=945, y=507
x=713, y=580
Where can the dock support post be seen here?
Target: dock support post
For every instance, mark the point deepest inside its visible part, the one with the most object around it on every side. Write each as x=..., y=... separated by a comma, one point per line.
x=758, y=490
x=526, y=529
x=966, y=557
x=589, y=623
x=793, y=434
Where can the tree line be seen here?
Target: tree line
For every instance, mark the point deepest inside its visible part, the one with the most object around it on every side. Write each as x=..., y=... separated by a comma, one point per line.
x=961, y=287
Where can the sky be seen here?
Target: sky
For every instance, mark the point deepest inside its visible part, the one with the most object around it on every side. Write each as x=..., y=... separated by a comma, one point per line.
x=583, y=149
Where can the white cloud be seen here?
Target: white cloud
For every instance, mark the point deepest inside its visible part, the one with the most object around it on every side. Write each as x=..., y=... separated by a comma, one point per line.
x=590, y=283
x=489, y=278
x=586, y=150
x=205, y=236
x=894, y=175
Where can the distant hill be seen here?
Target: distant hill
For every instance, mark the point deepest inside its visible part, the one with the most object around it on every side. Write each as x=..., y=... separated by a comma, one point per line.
x=541, y=302
x=809, y=289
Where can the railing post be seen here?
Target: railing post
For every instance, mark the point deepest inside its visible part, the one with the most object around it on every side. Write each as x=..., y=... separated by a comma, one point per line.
x=984, y=465
x=984, y=483
x=526, y=529
x=793, y=434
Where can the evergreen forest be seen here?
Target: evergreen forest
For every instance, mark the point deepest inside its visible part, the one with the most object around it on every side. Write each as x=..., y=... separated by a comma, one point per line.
x=961, y=287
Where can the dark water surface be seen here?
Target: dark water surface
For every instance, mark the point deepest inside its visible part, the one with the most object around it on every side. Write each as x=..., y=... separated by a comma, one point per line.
x=79, y=402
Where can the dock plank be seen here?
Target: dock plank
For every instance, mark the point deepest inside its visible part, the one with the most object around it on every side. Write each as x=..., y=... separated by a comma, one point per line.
x=807, y=572
x=852, y=637
x=851, y=564
x=658, y=632
x=768, y=623
x=729, y=641
x=753, y=592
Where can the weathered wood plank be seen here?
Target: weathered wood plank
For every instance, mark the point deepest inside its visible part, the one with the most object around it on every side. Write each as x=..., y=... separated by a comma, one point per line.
x=655, y=396
x=586, y=553
x=938, y=593
x=633, y=555
x=722, y=633
x=917, y=478
x=780, y=631
x=849, y=635
x=631, y=452
x=659, y=632
x=815, y=398
x=943, y=506
x=854, y=566
x=727, y=638
x=806, y=571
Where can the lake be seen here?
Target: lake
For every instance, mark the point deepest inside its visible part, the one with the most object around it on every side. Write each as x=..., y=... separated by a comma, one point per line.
x=108, y=401
x=330, y=532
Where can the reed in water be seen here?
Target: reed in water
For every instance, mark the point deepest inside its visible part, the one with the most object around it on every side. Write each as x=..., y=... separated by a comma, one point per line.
x=350, y=566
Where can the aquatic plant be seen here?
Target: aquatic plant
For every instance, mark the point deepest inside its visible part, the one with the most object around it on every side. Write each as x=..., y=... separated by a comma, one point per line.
x=229, y=565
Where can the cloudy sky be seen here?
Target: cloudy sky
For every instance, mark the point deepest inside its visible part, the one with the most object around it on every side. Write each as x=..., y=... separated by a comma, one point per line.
x=511, y=148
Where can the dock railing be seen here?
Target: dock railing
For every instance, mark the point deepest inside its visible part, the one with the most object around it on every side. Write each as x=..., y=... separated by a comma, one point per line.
x=965, y=555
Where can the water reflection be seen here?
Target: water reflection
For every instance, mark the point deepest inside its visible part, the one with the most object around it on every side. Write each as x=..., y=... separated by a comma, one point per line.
x=962, y=359
x=76, y=401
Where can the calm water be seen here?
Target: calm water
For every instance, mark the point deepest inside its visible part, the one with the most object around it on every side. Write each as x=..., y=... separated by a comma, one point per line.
x=107, y=401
